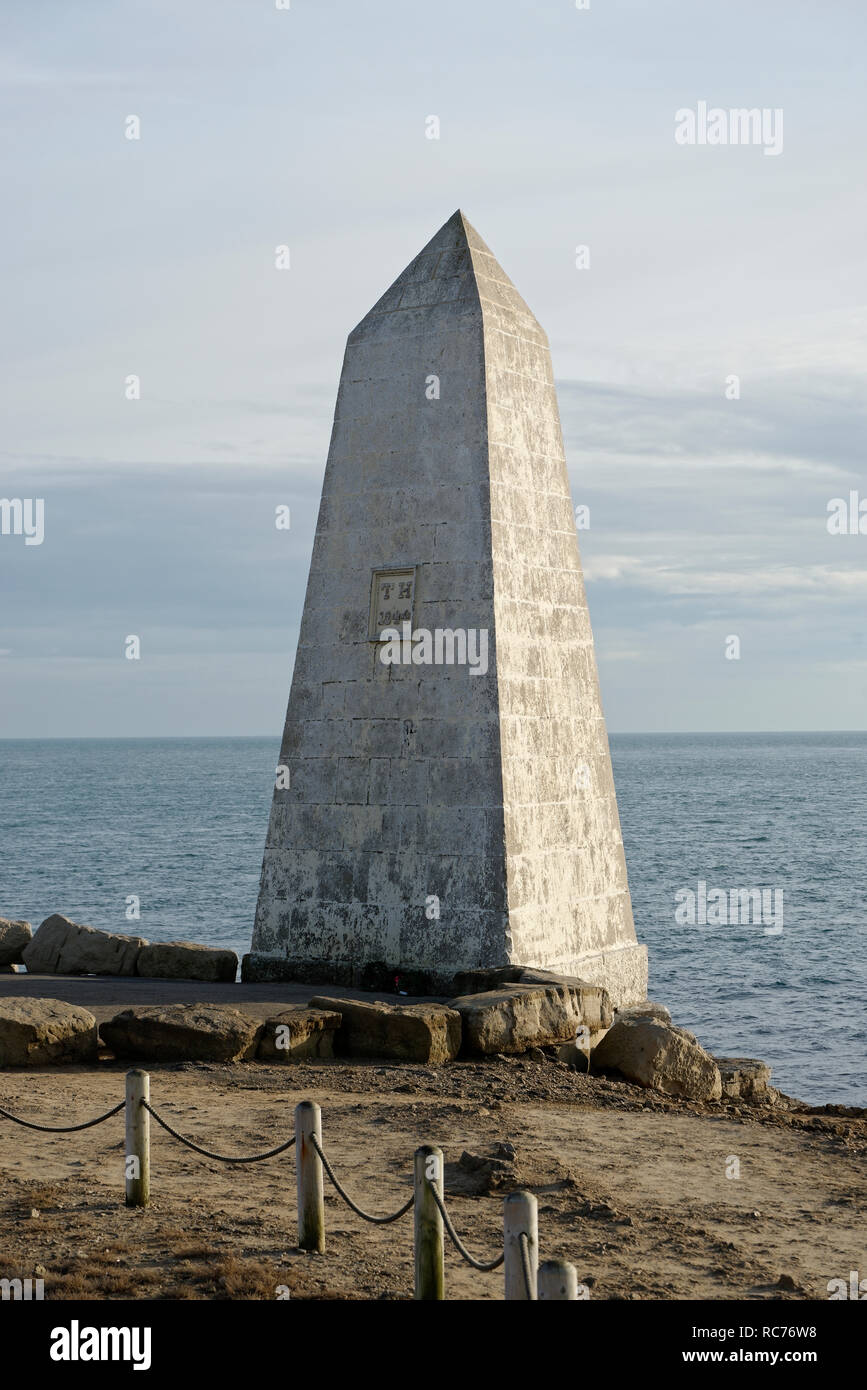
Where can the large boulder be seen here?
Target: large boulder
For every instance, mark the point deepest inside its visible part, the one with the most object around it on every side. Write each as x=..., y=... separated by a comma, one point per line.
x=183, y=1033
x=590, y=1003
x=297, y=1033
x=61, y=947
x=184, y=960
x=655, y=1054
x=516, y=1017
x=407, y=1032
x=40, y=1032
x=14, y=936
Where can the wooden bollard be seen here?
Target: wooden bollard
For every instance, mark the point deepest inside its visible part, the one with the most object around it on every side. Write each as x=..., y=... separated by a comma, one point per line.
x=520, y=1217
x=137, y=1165
x=308, y=1174
x=428, y=1225
x=558, y=1280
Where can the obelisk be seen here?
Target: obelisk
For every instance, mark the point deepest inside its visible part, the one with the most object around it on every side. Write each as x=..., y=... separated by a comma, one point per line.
x=446, y=800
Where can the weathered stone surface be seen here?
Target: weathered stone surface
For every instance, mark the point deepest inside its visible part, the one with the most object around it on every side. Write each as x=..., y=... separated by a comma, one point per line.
x=61, y=947
x=185, y=960
x=410, y=1032
x=42, y=1032
x=483, y=980
x=591, y=1003
x=646, y=1010
x=14, y=936
x=297, y=1033
x=257, y=968
x=743, y=1078
x=183, y=1033
x=490, y=790
x=517, y=1017
x=655, y=1054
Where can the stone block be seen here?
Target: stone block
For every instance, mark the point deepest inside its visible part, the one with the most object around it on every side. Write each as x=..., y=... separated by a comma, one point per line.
x=427, y=1033
x=185, y=960
x=62, y=947
x=298, y=1033
x=43, y=1032
x=743, y=1078
x=182, y=1033
x=516, y=1017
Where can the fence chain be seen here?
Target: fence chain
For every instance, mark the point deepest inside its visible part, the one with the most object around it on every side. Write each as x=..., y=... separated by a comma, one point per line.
x=221, y=1158
x=365, y=1215
x=62, y=1129
x=524, y=1242
x=483, y=1266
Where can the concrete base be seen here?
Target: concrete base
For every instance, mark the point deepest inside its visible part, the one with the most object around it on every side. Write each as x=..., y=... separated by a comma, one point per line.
x=622, y=971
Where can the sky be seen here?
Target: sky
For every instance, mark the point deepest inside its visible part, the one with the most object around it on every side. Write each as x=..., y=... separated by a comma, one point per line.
x=308, y=127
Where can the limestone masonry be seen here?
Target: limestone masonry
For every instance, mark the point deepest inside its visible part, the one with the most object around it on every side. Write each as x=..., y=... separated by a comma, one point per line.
x=450, y=803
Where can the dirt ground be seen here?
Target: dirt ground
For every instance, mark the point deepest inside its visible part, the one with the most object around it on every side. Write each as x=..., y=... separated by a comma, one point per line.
x=632, y=1187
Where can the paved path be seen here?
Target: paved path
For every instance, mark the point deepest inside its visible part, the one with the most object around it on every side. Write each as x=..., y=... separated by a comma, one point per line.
x=106, y=995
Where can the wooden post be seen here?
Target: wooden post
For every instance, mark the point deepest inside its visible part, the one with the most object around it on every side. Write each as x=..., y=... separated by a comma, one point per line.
x=428, y=1225
x=558, y=1280
x=308, y=1172
x=137, y=1167
x=520, y=1217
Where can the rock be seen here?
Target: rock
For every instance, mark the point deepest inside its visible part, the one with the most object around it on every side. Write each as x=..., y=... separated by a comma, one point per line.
x=61, y=947
x=14, y=936
x=520, y=1016
x=646, y=1010
x=478, y=1174
x=591, y=1001
x=657, y=1055
x=40, y=1032
x=743, y=1078
x=574, y=1057
x=297, y=1033
x=183, y=1033
x=12, y=970
x=184, y=960
x=427, y=1033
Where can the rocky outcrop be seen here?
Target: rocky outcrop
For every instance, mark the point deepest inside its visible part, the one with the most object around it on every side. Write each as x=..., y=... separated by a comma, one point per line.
x=429, y=1033
x=184, y=960
x=183, y=1033
x=14, y=936
x=62, y=947
x=743, y=1078
x=298, y=1033
x=655, y=1054
x=42, y=1032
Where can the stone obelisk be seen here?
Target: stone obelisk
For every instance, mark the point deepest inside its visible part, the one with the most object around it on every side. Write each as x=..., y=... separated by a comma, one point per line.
x=452, y=806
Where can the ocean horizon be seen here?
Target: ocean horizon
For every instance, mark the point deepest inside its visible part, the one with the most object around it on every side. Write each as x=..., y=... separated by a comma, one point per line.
x=745, y=853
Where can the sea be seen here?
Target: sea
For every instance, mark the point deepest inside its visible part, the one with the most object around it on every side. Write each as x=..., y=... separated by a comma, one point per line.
x=174, y=828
